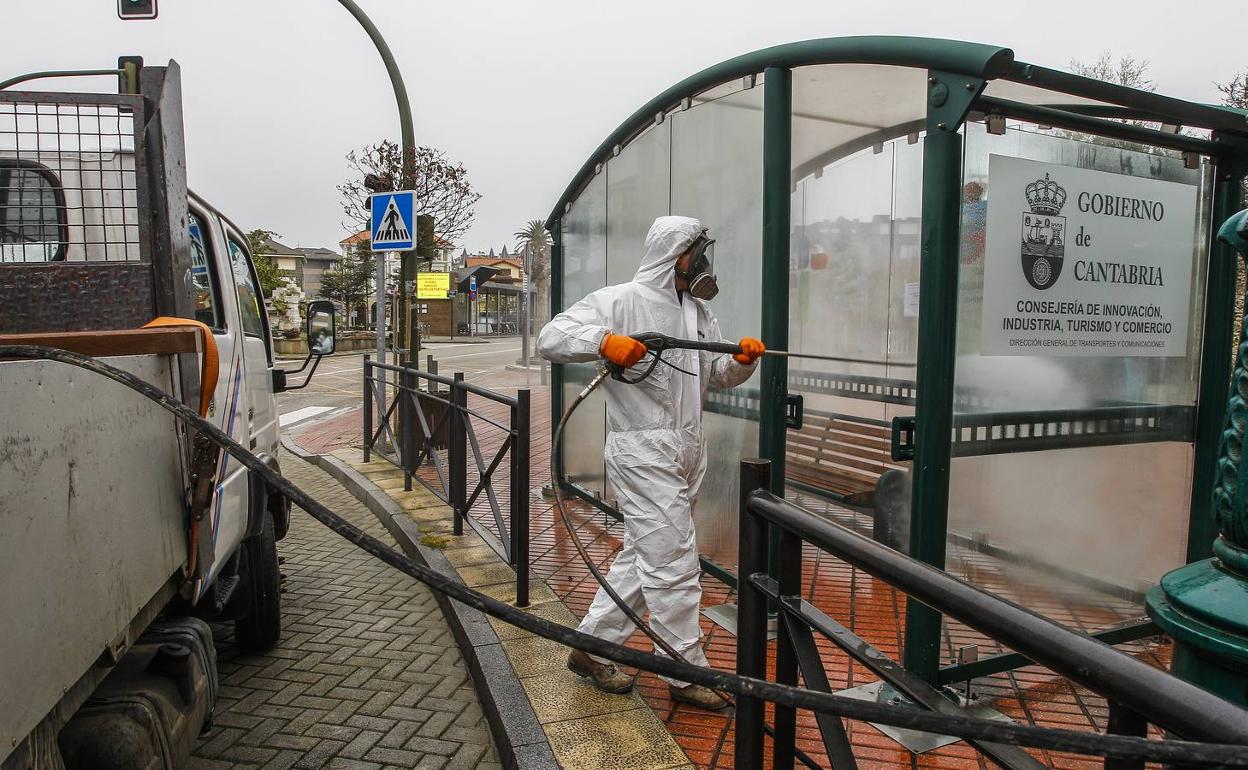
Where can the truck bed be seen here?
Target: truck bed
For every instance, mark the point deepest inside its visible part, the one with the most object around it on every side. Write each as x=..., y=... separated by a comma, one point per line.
x=91, y=512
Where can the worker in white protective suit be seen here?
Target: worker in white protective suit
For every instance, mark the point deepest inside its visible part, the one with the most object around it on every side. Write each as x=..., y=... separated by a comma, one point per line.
x=655, y=452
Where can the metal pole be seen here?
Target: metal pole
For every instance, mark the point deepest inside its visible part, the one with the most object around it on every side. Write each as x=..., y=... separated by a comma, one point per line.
x=556, y=298
x=368, y=407
x=938, y=315
x=407, y=392
x=1124, y=721
x=405, y=113
x=751, y=617
x=777, y=205
x=790, y=583
x=457, y=453
x=379, y=312
x=59, y=74
x=524, y=313
x=520, y=495
x=1215, y=363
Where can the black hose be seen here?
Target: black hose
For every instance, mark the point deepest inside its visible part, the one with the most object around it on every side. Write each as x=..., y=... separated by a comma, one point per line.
x=556, y=486
x=1116, y=746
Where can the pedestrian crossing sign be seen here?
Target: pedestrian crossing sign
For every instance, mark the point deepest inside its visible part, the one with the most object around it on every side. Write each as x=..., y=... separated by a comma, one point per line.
x=393, y=222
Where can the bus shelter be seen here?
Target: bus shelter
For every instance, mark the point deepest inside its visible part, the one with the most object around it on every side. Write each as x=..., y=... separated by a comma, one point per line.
x=1016, y=267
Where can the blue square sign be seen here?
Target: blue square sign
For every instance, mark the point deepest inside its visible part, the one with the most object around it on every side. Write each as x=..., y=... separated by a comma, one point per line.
x=393, y=223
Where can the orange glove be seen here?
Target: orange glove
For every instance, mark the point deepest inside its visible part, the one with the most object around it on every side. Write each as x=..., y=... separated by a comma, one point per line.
x=621, y=350
x=751, y=350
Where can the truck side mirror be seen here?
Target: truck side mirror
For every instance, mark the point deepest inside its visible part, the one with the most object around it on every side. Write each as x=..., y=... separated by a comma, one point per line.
x=322, y=322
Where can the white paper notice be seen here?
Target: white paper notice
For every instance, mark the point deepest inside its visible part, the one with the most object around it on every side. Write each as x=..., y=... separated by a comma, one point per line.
x=1085, y=263
x=910, y=303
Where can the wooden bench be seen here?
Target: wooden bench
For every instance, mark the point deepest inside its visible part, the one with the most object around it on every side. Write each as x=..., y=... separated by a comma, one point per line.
x=840, y=456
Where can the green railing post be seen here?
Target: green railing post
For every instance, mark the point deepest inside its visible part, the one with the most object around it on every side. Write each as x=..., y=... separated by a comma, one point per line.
x=777, y=204
x=556, y=306
x=1217, y=345
x=949, y=96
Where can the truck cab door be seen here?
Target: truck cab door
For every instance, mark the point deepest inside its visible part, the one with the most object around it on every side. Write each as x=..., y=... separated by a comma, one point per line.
x=215, y=306
x=261, y=416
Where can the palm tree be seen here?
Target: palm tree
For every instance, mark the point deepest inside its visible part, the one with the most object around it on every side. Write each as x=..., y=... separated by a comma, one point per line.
x=533, y=242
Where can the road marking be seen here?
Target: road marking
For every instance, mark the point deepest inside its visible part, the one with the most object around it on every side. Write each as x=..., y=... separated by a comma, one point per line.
x=302, y=414
x=470, y=355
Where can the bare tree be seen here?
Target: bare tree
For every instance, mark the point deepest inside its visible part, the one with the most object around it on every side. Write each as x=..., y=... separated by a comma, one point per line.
x=1126, y=71
x=1235, y=94
x=1235, y=91
x=350, y=281
x=442, y=187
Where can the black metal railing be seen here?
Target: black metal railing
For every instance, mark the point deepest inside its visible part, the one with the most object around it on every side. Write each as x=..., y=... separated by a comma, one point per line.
x=976, y=434
x=436, y=429
x=1138, y=694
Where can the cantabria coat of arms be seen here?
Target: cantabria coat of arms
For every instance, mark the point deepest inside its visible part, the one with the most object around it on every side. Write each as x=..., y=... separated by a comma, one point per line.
x=1043, y=244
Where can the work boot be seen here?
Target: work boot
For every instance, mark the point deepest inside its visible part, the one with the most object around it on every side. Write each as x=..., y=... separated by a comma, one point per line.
x=697, y=695
x=606, y=676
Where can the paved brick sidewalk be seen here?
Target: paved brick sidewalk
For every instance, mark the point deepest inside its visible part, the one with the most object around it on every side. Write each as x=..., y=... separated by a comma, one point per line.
x=367, y=674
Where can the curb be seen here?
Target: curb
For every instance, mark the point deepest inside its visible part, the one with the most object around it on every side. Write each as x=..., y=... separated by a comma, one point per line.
x=519, y=738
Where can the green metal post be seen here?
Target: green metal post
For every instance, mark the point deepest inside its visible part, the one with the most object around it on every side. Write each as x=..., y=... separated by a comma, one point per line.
x=407, y=133
x=777, y=205
x=556, y=305
x=1217, y=345
x=938, y=316
x=1202, y=605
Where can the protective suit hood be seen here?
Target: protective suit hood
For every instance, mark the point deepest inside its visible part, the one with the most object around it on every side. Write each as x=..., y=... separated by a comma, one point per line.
x=667, y=240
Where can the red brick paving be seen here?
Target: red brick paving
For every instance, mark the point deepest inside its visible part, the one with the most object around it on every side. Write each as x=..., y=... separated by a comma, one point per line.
x=324, y=436
x=870, y=608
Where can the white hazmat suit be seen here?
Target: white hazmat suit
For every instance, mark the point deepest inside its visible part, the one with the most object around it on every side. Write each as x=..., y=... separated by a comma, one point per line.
x=655, y=452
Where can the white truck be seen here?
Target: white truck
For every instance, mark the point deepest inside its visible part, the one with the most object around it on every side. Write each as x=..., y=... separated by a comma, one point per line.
x=112, y=558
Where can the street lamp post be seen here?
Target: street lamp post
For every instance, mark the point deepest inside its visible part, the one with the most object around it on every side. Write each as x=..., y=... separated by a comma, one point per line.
x=525, y=264
x=408, y=181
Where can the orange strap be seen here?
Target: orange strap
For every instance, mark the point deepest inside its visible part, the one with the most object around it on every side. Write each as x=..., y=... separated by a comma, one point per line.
x=210, y=365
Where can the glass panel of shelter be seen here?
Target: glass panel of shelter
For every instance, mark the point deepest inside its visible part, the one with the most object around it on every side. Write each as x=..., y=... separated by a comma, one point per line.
x=1069, y=508
x=705, y=162
x=716, y=176
x=857, y=158
x=584, y=243
x=1119, y=519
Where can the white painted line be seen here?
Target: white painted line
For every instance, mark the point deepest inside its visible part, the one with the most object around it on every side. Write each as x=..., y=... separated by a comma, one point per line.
x=470, y=355
x=302, y=414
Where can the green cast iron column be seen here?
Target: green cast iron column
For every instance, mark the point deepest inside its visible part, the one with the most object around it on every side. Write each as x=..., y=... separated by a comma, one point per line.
x=777, y=202
x=938, y=315
x=1204, y=605
x=1215, y=365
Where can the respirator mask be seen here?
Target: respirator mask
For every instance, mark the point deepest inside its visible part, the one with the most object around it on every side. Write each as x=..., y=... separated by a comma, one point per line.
x=699, y=276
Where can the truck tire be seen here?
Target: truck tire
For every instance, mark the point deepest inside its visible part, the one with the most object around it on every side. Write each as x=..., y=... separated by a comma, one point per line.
x=260, y=628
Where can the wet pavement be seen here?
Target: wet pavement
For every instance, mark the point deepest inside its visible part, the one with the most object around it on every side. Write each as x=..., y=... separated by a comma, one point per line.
x=367, y=673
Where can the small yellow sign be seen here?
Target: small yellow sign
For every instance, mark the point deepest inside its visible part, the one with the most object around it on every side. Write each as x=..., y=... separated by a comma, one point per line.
x=432, y=285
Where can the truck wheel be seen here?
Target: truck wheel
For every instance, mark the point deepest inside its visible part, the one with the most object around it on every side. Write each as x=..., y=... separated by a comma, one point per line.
x=261, y=627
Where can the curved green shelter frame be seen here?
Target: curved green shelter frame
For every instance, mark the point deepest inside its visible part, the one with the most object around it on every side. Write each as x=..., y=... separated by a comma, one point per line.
x=863, y=191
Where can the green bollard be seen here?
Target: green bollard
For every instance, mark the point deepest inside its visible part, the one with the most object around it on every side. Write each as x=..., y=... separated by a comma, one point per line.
x=1203, y=606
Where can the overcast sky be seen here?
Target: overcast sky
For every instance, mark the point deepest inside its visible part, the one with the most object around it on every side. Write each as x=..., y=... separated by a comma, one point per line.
x=278, y=91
